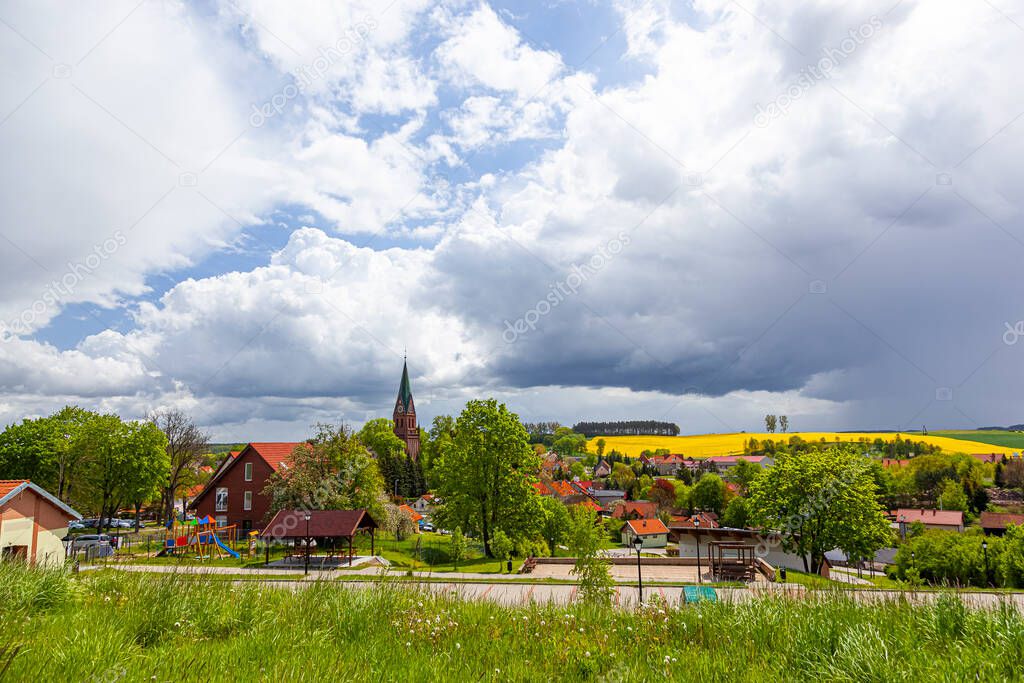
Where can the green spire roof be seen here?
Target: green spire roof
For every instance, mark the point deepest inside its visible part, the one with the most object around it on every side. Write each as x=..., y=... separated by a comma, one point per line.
x=405, y=389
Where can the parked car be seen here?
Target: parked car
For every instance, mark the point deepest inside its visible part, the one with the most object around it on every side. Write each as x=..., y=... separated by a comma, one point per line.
x=76, y=526
x=89, y=540
x=427, y=527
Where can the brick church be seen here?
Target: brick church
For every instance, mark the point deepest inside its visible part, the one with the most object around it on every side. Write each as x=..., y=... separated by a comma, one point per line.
x=404, y=416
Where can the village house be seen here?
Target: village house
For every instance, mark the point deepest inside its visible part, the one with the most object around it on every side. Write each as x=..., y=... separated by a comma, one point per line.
x=33, y=523
x=424, y=504
x=995, y=523
x=607, y=497
x=652, y=532
x=234, y=496
x=949, y=520
x=635, y=509
x=602, y=469
x=666, y=465
x=720, y=463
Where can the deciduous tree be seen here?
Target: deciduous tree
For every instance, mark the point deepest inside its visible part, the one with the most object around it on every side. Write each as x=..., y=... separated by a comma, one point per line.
x=818, y=500
x=186, y=445
x=485, y=476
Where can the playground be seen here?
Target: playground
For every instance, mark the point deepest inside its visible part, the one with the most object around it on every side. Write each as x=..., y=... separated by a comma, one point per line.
x=201, y=539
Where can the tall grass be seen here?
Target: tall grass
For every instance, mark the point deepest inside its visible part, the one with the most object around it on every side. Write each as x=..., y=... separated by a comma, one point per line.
x=124, y=626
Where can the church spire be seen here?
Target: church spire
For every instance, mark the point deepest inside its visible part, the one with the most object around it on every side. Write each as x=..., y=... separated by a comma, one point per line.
x=405, y=388
x=404, y=417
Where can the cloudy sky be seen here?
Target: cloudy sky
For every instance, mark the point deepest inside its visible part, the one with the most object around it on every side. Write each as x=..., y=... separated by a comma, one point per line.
x=693, y=211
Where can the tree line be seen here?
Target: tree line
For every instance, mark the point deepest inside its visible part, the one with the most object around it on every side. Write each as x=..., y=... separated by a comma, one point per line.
x=627, y=428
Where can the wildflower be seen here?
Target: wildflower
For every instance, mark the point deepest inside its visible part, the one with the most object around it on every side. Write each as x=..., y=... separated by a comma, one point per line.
x=458, y=646
x=408, y=644
x=587, y=653
x=177, y=624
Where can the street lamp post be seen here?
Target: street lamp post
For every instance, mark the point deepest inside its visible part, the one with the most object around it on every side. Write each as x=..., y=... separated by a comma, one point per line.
x=984, y=548
x=638, y=544
x=305, y=570
x=696, y=529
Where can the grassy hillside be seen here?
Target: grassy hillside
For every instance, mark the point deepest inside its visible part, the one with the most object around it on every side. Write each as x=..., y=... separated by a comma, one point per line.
x=1014, y=440
x=706, y=445
x=135, y=627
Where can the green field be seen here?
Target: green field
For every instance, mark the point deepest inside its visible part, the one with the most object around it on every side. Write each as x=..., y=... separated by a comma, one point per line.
x=111, y=626
x=995, y=438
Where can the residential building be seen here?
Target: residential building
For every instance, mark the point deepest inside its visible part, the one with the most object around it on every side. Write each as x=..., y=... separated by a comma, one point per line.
x=33, y=523
x=707, y=520
x=635, y=509
x=950, y=520
x=606, y=497
x=602, y=469
x=424, y=504
x=413, y=515
x=995, y=523
x=720, y=463
x=234, y=496
x=652, y=532
x=666, y=465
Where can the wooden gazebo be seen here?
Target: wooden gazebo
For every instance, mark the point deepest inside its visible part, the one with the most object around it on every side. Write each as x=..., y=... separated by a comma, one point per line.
x=322, y=526
x=732, y=561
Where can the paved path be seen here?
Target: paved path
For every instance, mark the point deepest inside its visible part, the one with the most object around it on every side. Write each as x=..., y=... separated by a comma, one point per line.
x=516, y=590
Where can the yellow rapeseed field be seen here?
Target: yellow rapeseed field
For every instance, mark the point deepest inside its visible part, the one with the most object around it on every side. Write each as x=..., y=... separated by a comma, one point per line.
x=707, y=445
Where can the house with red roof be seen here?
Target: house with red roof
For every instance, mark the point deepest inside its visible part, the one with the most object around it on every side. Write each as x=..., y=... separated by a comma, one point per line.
x=652, y=532
x=995, y=523
x=413, y=515
x=666, y=465
x=234, y=495
x=721, y=463
x=33, y=523
x=635, y=509
x=949, y=520
x=425, y=504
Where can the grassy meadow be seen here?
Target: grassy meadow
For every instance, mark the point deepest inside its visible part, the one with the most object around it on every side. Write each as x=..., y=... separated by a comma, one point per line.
x=111, y=626
x=1014, y=440
x=707, y=445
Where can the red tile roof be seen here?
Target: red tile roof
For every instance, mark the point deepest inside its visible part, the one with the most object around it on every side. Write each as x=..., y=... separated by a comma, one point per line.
x=733, y=459
x=590, y=504
x=542, y=488
x=644, y=508
x=274, y=452
x=563, y=488
x=647, y=527
x=8, y=485
x=707, y=521
x=891, y=462
x=999, y=520
x=940, y=517
x=415, y=516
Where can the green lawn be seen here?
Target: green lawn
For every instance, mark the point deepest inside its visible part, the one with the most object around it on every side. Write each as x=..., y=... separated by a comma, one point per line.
x=118, y=626
x=996, y=438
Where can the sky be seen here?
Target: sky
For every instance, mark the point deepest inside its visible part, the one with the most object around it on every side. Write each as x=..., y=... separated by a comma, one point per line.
x=699, y=212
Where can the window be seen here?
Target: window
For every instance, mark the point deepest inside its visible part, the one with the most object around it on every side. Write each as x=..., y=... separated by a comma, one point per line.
x=248, y=471
x=246, y=525
x=247, y=500
x=221, y=500
x=221, y=520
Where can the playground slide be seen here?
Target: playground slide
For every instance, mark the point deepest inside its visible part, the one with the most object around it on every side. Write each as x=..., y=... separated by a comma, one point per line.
x=223, y=547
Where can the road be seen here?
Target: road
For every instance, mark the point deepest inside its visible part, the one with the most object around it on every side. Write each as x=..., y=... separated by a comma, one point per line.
x=518, y=590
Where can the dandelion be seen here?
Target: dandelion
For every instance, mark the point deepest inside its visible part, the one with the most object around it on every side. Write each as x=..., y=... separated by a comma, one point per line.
x=587, y=653
x=408, y=644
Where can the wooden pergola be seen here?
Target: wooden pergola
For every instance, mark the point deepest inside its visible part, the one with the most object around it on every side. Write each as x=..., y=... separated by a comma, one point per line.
x=732, y=561
x=322, y=526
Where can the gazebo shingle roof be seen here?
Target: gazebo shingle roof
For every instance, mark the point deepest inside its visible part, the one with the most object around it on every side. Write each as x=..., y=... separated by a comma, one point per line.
x=322, y=523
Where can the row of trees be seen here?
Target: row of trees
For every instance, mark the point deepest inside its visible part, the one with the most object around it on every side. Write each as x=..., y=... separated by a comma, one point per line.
x=771, y=423
x=627, y=428
x=92, y=461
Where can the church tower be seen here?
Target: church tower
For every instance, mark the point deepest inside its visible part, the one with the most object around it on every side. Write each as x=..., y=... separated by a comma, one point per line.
x=406, y=428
